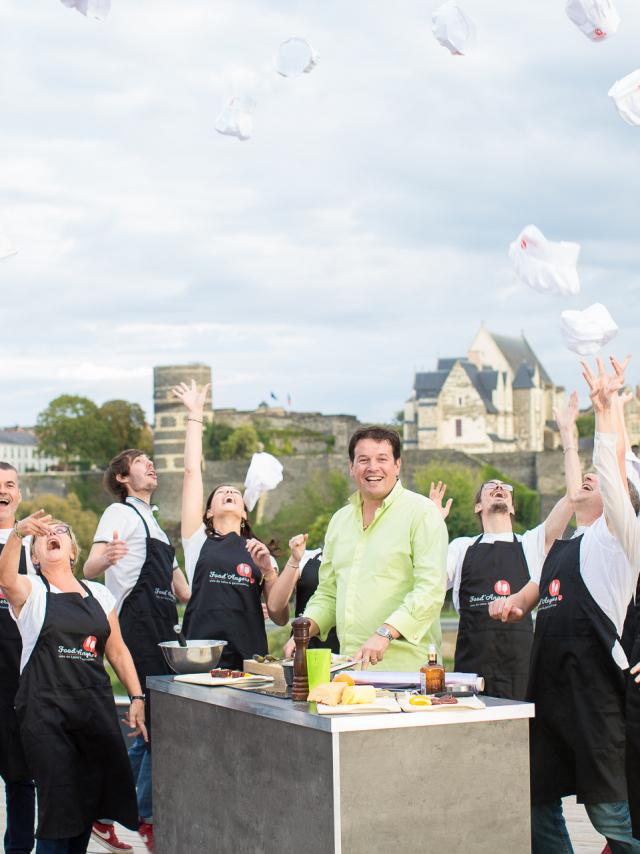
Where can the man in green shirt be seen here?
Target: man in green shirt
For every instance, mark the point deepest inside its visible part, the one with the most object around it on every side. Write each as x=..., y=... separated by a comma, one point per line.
x=384, y=566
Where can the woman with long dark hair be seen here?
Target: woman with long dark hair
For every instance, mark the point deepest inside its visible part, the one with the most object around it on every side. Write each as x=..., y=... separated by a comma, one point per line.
x=229, y=570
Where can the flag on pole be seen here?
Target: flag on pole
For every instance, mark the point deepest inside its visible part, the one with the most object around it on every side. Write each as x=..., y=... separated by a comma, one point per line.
x=273, y=397
x=289, y=401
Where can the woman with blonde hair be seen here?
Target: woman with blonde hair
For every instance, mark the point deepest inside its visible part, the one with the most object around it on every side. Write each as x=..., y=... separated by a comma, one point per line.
x=65, y=707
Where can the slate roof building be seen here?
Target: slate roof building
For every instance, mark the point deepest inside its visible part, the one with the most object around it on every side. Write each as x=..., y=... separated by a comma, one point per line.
x=497, y=398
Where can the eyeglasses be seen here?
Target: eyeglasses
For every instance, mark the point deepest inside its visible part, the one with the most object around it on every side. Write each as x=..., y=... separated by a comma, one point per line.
x=61, y=529
x=494, y=484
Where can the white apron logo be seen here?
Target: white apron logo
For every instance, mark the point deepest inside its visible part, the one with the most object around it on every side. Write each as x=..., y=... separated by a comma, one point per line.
x=86, y=653
x=164, y=595
x=245, y=571
x=553, y=598
x=502, y=588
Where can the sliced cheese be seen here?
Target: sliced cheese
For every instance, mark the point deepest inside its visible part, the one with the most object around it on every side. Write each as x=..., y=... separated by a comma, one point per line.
x=329, y=694
x=357, y=694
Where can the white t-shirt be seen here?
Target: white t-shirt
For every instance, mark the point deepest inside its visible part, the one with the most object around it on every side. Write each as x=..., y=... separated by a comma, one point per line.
x=26, y=542
x=192, y=546
x=532, y=545
x=121, y=578
x=33, y=612
x=608, y=576
x=308, y=555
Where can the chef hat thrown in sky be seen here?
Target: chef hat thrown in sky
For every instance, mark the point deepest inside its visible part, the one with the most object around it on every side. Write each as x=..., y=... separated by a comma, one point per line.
x=295, y=57
x=264, y=474
x=454, y=29
x=236, y=118
x=543, y=265
x=597, y=19
x=626, y=97
x=98, y=9
x=586, y=332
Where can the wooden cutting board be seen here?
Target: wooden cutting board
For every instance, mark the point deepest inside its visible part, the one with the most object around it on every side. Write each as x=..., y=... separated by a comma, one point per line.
x=267, y=668
x=217, y=681
x=464, y=704
x=382, y=704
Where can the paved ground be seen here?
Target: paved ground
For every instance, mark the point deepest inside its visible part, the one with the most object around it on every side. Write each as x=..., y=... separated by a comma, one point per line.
x=585, y=839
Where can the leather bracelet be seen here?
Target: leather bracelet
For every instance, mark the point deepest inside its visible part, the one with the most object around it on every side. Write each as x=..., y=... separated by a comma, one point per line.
x=570, y=448
x=197, y=420
x=136, y=697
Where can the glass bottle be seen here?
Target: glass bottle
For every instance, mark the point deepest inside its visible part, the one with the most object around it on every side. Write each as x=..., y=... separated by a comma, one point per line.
x=432, y=674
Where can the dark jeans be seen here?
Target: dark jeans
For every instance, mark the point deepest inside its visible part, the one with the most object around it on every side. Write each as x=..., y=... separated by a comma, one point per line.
x=21, y=816
x=549, y=831
x=72, y=845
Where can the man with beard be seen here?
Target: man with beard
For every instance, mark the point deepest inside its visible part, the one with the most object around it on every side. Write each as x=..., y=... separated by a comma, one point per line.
x=482, y=568
x=141, y=571
x=19, y=788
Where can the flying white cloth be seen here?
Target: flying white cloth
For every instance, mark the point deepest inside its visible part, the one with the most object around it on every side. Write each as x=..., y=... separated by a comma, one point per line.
x=98, y=9
x=598, y=19
x=236, y=118
x=586, y=332
x=454, y=29
x=626, y=97
x=295, y=57
x=264, y=474
x=545, y=266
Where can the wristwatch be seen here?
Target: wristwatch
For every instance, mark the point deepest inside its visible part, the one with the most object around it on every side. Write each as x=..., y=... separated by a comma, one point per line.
x=384, y=632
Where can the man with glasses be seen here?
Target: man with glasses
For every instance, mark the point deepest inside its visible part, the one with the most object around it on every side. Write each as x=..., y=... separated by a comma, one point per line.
x=486, y=567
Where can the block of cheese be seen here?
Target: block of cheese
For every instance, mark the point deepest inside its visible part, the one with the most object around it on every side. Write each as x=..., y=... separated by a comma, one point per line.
x=357, y=694
x=329, y=694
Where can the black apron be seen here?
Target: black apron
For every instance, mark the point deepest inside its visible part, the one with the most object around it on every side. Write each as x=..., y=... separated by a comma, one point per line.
x=500, y=652
x=226, y=600
x=13, y=767
x=632, y=705
x=148, y=613
x=578, y=733
x=307, y=586
x=69, y=725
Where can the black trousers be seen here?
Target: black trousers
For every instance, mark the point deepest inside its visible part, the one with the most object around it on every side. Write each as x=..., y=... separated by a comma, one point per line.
x=21, y=816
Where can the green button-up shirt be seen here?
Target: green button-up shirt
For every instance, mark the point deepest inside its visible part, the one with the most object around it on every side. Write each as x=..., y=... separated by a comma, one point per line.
x=394, y=571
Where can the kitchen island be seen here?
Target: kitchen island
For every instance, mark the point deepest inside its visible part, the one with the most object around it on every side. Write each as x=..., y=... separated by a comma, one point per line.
x=237, y=771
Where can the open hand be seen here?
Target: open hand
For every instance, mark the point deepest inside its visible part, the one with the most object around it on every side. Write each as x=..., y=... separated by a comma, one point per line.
x=603, y=386
x=116, y=549
x=192, y=397
x=36, y=525
x=566, y=418
x=436, y=494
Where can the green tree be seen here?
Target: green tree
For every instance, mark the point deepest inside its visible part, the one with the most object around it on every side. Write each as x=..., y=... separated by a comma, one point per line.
x=126, y=424
x=215, y=433
x=586, y=425
x=69, y=510
x=71, y=428
x=241, y=444
x=462, y=484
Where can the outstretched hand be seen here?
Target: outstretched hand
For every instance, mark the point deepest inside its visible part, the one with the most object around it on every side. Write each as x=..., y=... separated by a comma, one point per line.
x=566, y=418
x=36, y=525
x=603, y=386
x=191, y=396
x=436, y=494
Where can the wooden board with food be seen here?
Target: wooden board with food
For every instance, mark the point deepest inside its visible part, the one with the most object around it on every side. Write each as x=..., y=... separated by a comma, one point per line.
x=421, y=703
x=222, y=676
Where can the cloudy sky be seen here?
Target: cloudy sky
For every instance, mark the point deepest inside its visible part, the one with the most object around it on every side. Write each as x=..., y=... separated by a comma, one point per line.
x=361, y=233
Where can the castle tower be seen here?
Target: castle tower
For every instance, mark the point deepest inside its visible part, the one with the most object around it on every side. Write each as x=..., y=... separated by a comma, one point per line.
x=171, y=416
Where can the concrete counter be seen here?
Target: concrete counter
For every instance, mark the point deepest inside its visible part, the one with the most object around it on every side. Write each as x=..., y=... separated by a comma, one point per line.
x=236, y=771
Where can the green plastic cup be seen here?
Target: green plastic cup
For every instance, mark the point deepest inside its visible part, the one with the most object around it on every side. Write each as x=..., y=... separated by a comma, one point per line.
x=318, y=667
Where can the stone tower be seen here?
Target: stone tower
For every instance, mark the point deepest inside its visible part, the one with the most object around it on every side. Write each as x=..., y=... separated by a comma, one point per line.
x=171, y=416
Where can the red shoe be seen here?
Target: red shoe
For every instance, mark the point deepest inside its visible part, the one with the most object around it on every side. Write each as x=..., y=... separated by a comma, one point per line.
x=146, y=832
x=606, y=849
x=105, y=834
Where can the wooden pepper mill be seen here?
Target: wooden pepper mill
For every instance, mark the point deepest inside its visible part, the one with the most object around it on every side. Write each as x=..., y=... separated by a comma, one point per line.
x=300, y=688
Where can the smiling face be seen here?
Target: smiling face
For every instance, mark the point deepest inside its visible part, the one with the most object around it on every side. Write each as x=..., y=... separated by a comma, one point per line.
x=374, y=469
x=142, y=479
x=591, y=504
x=227, y=502
x=10, y=497
x=494, y=499
x=57, y=549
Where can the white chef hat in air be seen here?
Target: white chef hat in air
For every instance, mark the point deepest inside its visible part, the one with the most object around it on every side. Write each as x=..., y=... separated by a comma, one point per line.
x=454, y=29
x=626, y=96
x=586, y=332
x=597, y=19
x=545, y=266
x=264, y=474
x=294, y=57
x=98, y=9
x=236, y=117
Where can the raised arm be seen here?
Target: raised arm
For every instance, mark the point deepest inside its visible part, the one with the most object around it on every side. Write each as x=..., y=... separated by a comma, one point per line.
x=566, y=421
x=192, y=489
x=14, y=586
x=278, y=593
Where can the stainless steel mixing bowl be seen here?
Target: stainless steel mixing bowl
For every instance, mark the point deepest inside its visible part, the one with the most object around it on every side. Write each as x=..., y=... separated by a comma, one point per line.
x=198, y=656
